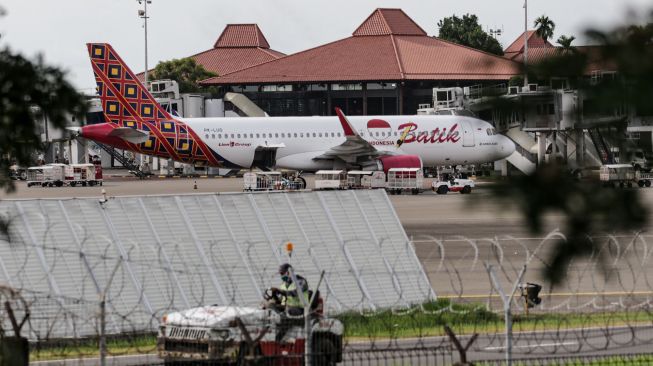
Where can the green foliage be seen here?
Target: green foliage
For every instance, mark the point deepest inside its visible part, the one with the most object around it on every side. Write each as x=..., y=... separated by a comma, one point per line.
x=468, y=32
x=565, y=43
x=29, y=92
x=428, y=318
x=186, y=72
x=544, y=27
x=586, y=207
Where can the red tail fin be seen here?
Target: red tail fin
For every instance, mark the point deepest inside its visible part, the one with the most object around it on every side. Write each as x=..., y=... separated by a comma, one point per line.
x=127, y=103
x=124, y=98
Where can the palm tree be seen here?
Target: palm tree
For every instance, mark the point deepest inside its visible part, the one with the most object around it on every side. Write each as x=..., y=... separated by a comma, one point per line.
x=544, y=27
x=565, y=43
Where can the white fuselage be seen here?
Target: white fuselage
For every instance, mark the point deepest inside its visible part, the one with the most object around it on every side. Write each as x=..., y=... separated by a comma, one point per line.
x=437, y=140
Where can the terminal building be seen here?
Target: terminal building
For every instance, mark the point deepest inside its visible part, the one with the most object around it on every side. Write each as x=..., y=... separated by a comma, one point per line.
x=388, y=66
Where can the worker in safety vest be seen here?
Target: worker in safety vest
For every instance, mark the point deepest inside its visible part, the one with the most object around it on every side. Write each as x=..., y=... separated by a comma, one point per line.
x=291, y=296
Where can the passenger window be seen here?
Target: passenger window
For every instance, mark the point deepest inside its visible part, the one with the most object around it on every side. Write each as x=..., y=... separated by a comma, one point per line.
x=207, y=136
x=295, y=134
x=213, y=136
x=301, y=134
x=333, y=134
x=251, y=135
x=283, y=135
x=314, y=134
x=238, y=135
x=232, y=135
x=338, y=134
x=219, y=135
x=257, y=135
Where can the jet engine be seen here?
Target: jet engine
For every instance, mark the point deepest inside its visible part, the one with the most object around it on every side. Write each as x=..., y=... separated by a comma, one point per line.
x=395, y=161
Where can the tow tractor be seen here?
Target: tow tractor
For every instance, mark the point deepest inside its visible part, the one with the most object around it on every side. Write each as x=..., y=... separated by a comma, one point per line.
x=464, y=186
x=237, y=335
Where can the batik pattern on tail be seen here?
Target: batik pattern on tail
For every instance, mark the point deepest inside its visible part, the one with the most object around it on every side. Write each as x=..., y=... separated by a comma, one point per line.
x=127, y=103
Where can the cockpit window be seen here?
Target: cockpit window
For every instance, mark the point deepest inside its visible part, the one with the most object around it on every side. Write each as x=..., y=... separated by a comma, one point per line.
x=491, y=131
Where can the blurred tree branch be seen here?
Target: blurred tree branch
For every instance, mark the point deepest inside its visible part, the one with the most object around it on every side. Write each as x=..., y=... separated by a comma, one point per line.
x=587, y=207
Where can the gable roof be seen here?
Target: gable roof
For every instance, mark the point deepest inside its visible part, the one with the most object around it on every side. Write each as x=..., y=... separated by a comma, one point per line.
x=389, y=21
x=239, y=46
x=388, y=45
x=595, y=57
x=241, y=35
x=533, y=39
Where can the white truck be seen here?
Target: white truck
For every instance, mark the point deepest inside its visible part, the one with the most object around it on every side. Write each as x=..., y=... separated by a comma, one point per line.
x=464, y=186
x=235, y=335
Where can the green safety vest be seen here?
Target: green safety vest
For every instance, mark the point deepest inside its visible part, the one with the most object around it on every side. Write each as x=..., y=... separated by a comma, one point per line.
x=293, y=301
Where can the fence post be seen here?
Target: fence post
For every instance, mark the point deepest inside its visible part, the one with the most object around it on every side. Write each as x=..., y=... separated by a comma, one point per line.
x=103, y=315
x=507, y=302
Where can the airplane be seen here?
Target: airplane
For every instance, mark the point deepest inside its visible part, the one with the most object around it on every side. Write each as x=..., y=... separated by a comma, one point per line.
x=136, y=122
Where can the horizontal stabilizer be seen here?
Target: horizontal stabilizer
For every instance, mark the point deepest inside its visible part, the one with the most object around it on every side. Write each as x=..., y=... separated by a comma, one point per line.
x=130, y=134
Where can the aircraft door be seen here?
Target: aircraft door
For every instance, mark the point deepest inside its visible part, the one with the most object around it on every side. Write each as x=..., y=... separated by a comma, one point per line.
x=265, y=158
x=468, y=134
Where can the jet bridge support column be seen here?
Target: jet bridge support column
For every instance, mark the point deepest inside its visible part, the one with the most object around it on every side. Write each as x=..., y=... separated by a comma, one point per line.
x=580, y=147
x=541, y=147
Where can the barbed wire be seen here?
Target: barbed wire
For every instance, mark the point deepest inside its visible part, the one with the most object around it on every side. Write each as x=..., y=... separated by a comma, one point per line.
x=604, y=303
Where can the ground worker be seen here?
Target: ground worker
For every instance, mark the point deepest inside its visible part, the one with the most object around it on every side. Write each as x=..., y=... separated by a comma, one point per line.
x=291, y=296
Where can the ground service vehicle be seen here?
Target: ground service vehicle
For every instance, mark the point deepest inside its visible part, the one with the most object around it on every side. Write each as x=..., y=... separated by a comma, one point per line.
x=86, y=174
x=405, y=179
x=47, y=175
x=246, y=335
x=362, y=179
x=262, y=181
x=617, y=175
x=330, y=179
x=17, y=173
x=463, y=186
x=643, y=179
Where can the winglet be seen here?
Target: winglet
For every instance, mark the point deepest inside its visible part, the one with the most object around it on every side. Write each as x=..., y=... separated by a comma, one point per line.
x=346, y=126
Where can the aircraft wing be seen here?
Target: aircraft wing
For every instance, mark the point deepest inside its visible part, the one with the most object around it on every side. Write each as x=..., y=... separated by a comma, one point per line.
x=354, y=146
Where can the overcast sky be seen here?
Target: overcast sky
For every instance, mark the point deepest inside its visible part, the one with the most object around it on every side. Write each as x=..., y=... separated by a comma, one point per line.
x=59, y=29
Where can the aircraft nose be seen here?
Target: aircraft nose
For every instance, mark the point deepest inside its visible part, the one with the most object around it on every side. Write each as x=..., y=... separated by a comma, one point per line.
x=507, y=146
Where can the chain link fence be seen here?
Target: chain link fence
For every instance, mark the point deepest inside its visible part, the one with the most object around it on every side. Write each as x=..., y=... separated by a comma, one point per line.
x=603, y=309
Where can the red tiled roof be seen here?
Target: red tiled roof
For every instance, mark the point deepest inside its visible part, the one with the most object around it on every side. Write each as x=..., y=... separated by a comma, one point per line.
x=389, y=21
x=595, y=61
x=534, y=41
x=381, y=57
x=241, y=35
x=239, y=46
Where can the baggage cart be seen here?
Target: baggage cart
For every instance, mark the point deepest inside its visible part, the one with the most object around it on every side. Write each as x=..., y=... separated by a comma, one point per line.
x=365, y=179
x=330, y=179
x=405, y=180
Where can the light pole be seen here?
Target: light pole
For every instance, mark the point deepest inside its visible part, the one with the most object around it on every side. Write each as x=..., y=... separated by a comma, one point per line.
x=143, y=14
x=525, y=42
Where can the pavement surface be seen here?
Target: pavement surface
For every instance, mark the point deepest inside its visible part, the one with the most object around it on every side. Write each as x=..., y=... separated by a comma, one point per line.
x=455, y=236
